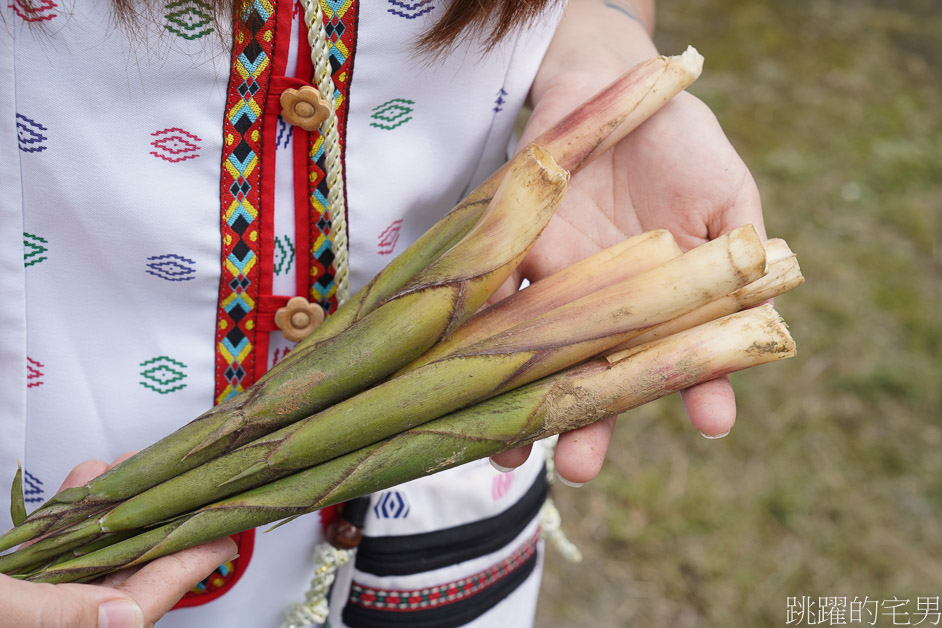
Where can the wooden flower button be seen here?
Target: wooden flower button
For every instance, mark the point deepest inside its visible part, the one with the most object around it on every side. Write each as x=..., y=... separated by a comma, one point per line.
x=298, y=318
x=304, y=107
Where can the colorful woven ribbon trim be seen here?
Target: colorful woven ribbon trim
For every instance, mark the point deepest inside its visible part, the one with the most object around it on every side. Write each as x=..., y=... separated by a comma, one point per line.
x=241, y=194
x=446, y=593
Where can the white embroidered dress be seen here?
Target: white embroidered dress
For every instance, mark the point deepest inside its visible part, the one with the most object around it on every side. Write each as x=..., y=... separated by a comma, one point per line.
x=110, y=150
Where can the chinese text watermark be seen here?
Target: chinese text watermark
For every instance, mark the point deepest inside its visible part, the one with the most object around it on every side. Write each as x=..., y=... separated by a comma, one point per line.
x=806, y=610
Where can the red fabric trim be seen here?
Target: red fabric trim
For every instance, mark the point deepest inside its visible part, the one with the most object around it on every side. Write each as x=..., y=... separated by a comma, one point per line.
x=246, y=543
x=278, y=85
x=266, y=315
x=328, y=515
x=302, y=177
x=284, y=14
x=267, y=306
x=269, y=303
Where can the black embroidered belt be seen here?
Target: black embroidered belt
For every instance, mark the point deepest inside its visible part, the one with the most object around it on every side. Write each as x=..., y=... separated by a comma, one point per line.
x=451, y=603
x=414, y=553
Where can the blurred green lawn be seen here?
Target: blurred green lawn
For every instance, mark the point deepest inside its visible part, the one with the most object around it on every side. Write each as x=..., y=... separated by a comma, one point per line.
x=831, y=482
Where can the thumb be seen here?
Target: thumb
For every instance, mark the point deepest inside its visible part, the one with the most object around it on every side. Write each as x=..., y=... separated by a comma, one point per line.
x=76, y=605
x=744, y=208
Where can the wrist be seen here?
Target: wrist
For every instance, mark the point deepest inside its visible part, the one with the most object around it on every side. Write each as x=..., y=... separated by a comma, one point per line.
x=596, y=42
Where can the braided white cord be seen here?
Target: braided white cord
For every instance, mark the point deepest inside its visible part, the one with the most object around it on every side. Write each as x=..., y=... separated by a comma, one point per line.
x=320, y=56
x=313, y=611
x=550, y=519
x=552, y=526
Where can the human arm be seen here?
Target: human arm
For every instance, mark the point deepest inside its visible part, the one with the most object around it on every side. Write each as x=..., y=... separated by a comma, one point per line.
x=677, y=171
x=131, y=598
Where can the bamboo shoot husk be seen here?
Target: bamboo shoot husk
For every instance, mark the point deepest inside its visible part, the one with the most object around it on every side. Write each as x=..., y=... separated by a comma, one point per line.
x=566, y=401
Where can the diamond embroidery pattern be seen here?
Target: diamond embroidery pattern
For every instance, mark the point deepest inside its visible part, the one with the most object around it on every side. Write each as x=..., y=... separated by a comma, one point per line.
x=392, y=113
x=171, y=267
x=34, y=249
x=284, y=255
x=189, y=19
x=34, y=376
x=163, y=375
x=391, y=505
x=33, y=491
x=501, y=484
x=36, y=11
x=499, y=102
x=175, y=145
x=410, y=9
x=285, y=131
x=29, y=135
x=389, y=237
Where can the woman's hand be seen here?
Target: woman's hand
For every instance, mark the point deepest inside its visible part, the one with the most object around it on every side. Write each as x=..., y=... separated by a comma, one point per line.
x=676, y=171
x=129, y=598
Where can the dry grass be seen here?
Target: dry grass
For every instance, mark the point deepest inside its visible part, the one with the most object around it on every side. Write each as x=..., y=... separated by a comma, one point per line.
x=831, y=483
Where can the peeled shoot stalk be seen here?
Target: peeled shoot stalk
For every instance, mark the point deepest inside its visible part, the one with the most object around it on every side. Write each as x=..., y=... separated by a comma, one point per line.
x=783, y=275
x=609, y=266
x=436, y=301
x=571, y=399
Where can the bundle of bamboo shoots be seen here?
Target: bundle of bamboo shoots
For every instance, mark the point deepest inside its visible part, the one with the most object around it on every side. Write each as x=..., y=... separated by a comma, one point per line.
x=411, y=376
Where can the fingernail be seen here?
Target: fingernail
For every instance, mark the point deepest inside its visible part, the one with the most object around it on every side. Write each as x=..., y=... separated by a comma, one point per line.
x=500, y=468
x=120, y=614
x=568, y=483
x=715, y=436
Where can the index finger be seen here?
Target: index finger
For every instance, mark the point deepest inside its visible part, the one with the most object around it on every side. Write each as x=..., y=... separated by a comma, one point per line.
x=160, y=584
x=86, y=471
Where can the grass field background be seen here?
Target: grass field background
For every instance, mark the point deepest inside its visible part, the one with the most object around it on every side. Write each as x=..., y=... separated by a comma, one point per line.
x=831, y=482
